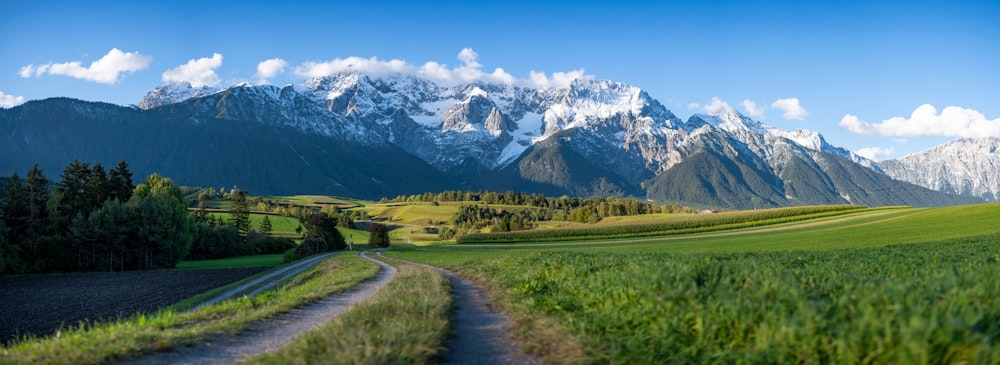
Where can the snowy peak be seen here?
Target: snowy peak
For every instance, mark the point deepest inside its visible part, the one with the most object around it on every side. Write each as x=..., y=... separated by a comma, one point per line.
x=965, y=166
x=171, y=93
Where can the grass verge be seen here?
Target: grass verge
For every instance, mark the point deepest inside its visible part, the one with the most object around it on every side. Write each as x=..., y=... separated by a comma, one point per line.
x=407, y=322
x=90, y=343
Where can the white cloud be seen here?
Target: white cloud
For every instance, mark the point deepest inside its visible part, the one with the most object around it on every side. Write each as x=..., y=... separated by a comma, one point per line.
x=469, y=71
x=270, y=68
x=693, y=105
x=718, y=107
x=7, y=101
x=852, y=124
x=752, y=109
x=953, y=121
x=200, y=72
x=791, y=107
x=107, y=70
x=874, y=153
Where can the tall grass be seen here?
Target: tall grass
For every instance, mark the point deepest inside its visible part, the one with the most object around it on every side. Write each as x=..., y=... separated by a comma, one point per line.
x=915, y=303
x=407, y=322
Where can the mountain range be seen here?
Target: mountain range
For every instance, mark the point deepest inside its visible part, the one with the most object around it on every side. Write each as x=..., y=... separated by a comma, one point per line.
x=363, y=136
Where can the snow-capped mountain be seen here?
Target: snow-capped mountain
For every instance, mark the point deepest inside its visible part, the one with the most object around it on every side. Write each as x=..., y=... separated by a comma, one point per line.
x=592, y=137
x=173, y=92
x=964, y=166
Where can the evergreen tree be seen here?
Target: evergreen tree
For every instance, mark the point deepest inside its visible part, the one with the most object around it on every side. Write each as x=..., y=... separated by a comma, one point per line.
x=37, y=188
x=73, y=192
x=379, y=235
x=15, y=208
x=265, y=226
x=240, y=213
x=120, y=180
x=97, y=187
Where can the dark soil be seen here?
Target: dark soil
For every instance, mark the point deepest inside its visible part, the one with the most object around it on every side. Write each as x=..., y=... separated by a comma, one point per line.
x=42, y=304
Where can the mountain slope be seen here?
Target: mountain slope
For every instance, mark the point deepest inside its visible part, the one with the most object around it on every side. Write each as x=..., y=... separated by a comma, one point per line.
x=366, y=136
x=965, y=166
x=261, y=158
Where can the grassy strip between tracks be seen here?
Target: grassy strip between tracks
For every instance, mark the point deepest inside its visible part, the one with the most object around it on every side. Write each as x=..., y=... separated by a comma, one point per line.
x=407, y=322
x=89, y=343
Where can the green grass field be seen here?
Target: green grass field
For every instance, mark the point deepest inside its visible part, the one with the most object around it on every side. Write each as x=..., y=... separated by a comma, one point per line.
x=900, y=285
x=279, y=224
x=242, y=261
x=415, y=214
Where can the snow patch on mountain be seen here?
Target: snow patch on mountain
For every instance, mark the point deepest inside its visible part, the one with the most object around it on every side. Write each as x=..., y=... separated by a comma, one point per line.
x=965, y=166
x=171, y=93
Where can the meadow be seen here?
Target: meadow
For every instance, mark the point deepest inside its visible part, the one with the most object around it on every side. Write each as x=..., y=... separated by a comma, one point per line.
x=835, y=284
x=900, y=285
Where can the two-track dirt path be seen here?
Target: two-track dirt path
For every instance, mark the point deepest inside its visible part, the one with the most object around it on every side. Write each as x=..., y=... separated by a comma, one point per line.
x=480, y=331
x=480, y=336
x=272, y=334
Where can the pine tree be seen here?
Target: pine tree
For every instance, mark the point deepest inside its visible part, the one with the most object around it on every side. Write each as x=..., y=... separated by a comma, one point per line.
x=240, y=212
x=120, y=181
x=97, y=187
x=265, y=226
x=37, y=188
x=15, y=208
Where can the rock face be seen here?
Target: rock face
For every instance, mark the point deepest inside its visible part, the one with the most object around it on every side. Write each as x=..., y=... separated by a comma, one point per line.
x=590, y=138
x=965, y=166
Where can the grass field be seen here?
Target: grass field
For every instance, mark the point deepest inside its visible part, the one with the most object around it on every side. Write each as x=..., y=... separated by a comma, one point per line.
x=242, y=261
x=414, y=214
x=875, y=286
x=279, y=224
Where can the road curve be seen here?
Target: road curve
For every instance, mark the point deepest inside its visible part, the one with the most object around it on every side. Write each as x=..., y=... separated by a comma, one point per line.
x=480, y=332
x=271, y=334
x=268, y=280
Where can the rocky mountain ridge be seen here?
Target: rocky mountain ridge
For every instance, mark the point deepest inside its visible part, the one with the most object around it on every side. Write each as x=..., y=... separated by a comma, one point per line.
x=594, y=137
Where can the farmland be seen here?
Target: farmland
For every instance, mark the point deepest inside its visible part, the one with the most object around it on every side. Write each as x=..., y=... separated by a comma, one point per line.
x=805, y=285
x=28, y=309
x=881, y=285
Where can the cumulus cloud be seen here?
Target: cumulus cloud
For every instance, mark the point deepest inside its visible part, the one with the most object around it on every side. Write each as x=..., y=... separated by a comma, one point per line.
x=791, y=107
x=470, y=70
x=953, y=121
x=7, y=101
x=106, y=70
x=718, y=107
x=270, y=68
x=693, y=105
x=198, y=72
x=752, y=109
x=874, y=153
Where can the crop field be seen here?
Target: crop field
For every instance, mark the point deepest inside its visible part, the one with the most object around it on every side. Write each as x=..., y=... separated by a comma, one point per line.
x=676, y=224
x=897, y=285
x=41, y=304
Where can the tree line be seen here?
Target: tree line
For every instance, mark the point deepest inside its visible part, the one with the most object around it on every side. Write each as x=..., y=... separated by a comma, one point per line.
x=586, y=210
x=91, y=220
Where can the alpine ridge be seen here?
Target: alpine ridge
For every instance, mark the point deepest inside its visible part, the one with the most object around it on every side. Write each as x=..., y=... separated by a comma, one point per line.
x=409, y=134
x=965, y=166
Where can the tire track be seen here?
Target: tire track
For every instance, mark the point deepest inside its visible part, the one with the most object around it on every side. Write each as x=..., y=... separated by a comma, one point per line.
x=480, y=332
x=271, y=334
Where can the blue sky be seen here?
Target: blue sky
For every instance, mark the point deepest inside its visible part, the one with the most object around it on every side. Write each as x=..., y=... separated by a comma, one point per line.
x=858, y=70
